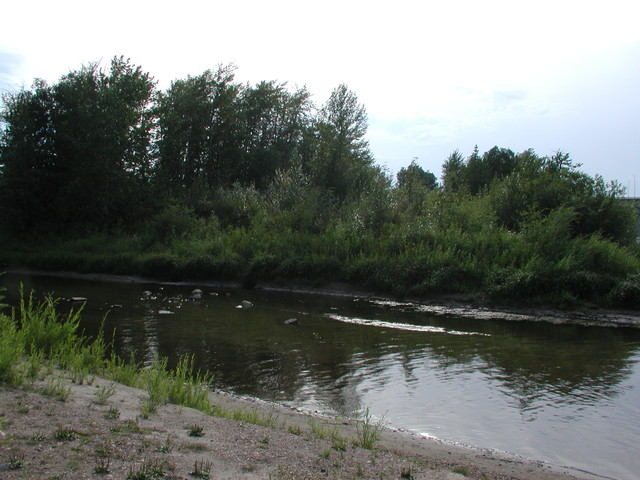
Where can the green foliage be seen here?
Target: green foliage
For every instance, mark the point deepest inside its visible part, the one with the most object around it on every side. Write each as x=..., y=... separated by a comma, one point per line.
x=44, y=331
x=626, y=293
x=180, y=386
x=76, y=154
x=368, y=430
x=11, y=350
x=212, y=179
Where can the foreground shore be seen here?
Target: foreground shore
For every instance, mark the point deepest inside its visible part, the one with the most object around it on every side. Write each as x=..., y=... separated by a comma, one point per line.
x=89, y=436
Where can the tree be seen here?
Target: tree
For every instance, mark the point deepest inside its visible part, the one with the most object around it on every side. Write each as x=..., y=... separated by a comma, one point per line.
x=28, y=181
x=274, y=122
x=102, y=137
x=197, y=142
x=415, y=176
x=342, y=161
x=453, y=172
x=78, y=150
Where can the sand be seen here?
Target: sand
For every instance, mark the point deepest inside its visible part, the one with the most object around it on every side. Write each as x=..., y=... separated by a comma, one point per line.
x=87, y=437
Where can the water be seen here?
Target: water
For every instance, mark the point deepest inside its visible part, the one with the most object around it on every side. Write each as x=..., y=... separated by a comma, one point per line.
x=566, y=394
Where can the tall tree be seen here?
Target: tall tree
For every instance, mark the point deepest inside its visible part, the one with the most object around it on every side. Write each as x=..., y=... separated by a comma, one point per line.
x=453, y=171
x=274, y=124
x=415, y=176
x=28, y=180
x=198, y=140
x=342, y=160
x=86, y=138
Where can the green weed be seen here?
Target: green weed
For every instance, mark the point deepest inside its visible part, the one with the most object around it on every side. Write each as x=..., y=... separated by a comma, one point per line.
x=146, y=471
x=368, y=431
x=196, y=430
x=201, y=469
x=56, y=389
x=64, y=434
x=105, y=392
x=321, y=430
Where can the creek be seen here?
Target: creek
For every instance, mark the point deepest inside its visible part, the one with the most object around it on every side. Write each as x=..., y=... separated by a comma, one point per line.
x=563, y=393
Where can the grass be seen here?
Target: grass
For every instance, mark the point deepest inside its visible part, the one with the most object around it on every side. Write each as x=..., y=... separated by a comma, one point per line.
x=321, y=431
x=368, y=430
x=201, y=469
x=15, y=462
x=102, y=468
x=254, y=417
x=40, y=339
x=407, y=473
x=146, y=471
x=105, y=392
x=196, y=430
x=112, y=413
x=64, y=434
x=464, y=471
x=56, y=389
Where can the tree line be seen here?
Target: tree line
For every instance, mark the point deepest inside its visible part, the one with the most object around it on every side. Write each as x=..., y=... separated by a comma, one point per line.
x=214, y=178
x=102, y=147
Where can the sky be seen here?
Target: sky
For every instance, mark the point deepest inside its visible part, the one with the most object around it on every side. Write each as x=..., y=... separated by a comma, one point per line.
x=434, y=76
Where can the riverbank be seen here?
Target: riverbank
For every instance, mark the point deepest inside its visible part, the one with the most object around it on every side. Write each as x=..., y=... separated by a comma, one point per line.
x=98, y=431
x=439, y=305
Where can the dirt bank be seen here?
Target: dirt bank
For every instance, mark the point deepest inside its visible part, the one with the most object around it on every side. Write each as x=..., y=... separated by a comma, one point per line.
x=89, y=436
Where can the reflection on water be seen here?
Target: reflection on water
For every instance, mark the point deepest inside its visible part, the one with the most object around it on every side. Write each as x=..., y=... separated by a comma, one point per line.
x=567, y=394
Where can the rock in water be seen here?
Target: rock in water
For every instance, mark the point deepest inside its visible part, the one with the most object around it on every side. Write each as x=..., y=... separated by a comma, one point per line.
x=245, y=304
x=291, y=321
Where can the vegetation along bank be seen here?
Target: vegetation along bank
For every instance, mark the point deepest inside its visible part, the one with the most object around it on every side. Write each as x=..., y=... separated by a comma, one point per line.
x=217, y=180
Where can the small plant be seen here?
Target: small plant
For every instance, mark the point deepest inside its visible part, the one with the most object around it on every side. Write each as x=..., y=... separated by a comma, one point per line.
x=55, y=389
x=326, y=454
x=112, y=413
x=146, y=471
x=15, y=462
x=147, y=408
x=102, y=468
x=369, y=431
x=254, y=417
x=195, y=447
x=406, y=472
x=129, y=426
x=35, y=362
x=196, y=430
x=104, y=393
x=322, y=431
x=38, y=437
x=359, y=470
x=201, y=469
x=64, y=434
x=339, y=446
x=167, y=446
x=461, y=471
x=265, y=441
x=294, y=430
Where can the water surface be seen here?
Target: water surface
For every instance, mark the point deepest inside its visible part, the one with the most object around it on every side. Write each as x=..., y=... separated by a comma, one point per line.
x=566, y=394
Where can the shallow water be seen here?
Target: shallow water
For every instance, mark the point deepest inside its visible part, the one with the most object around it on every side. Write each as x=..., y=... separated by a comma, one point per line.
x=565, y=394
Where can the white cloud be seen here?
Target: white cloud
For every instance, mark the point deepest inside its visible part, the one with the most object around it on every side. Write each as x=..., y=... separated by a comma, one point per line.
x=429, y=72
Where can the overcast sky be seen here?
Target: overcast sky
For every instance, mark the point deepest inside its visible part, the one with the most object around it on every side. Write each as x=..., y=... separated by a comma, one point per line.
x=434, y=76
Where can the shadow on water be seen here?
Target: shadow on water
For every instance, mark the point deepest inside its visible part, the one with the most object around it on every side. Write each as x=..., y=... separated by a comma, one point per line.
x=548, y=391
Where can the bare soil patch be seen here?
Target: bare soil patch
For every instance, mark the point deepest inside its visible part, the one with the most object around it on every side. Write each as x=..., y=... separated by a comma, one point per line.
x=89, y=437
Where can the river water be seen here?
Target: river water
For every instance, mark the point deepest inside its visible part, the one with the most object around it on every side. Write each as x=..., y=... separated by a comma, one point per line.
x=565, y=394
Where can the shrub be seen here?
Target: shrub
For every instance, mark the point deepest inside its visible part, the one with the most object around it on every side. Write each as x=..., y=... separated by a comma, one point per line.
x=626, y=293
x=11, y=350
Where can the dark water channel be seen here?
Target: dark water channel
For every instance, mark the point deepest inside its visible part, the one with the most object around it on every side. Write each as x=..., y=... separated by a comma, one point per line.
x=566, y=394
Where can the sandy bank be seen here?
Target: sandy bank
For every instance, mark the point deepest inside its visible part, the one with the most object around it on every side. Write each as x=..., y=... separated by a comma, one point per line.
x=84, y=437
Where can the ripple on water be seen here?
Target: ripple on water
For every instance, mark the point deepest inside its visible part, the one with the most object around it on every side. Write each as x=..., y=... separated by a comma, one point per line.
x=409, y=327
